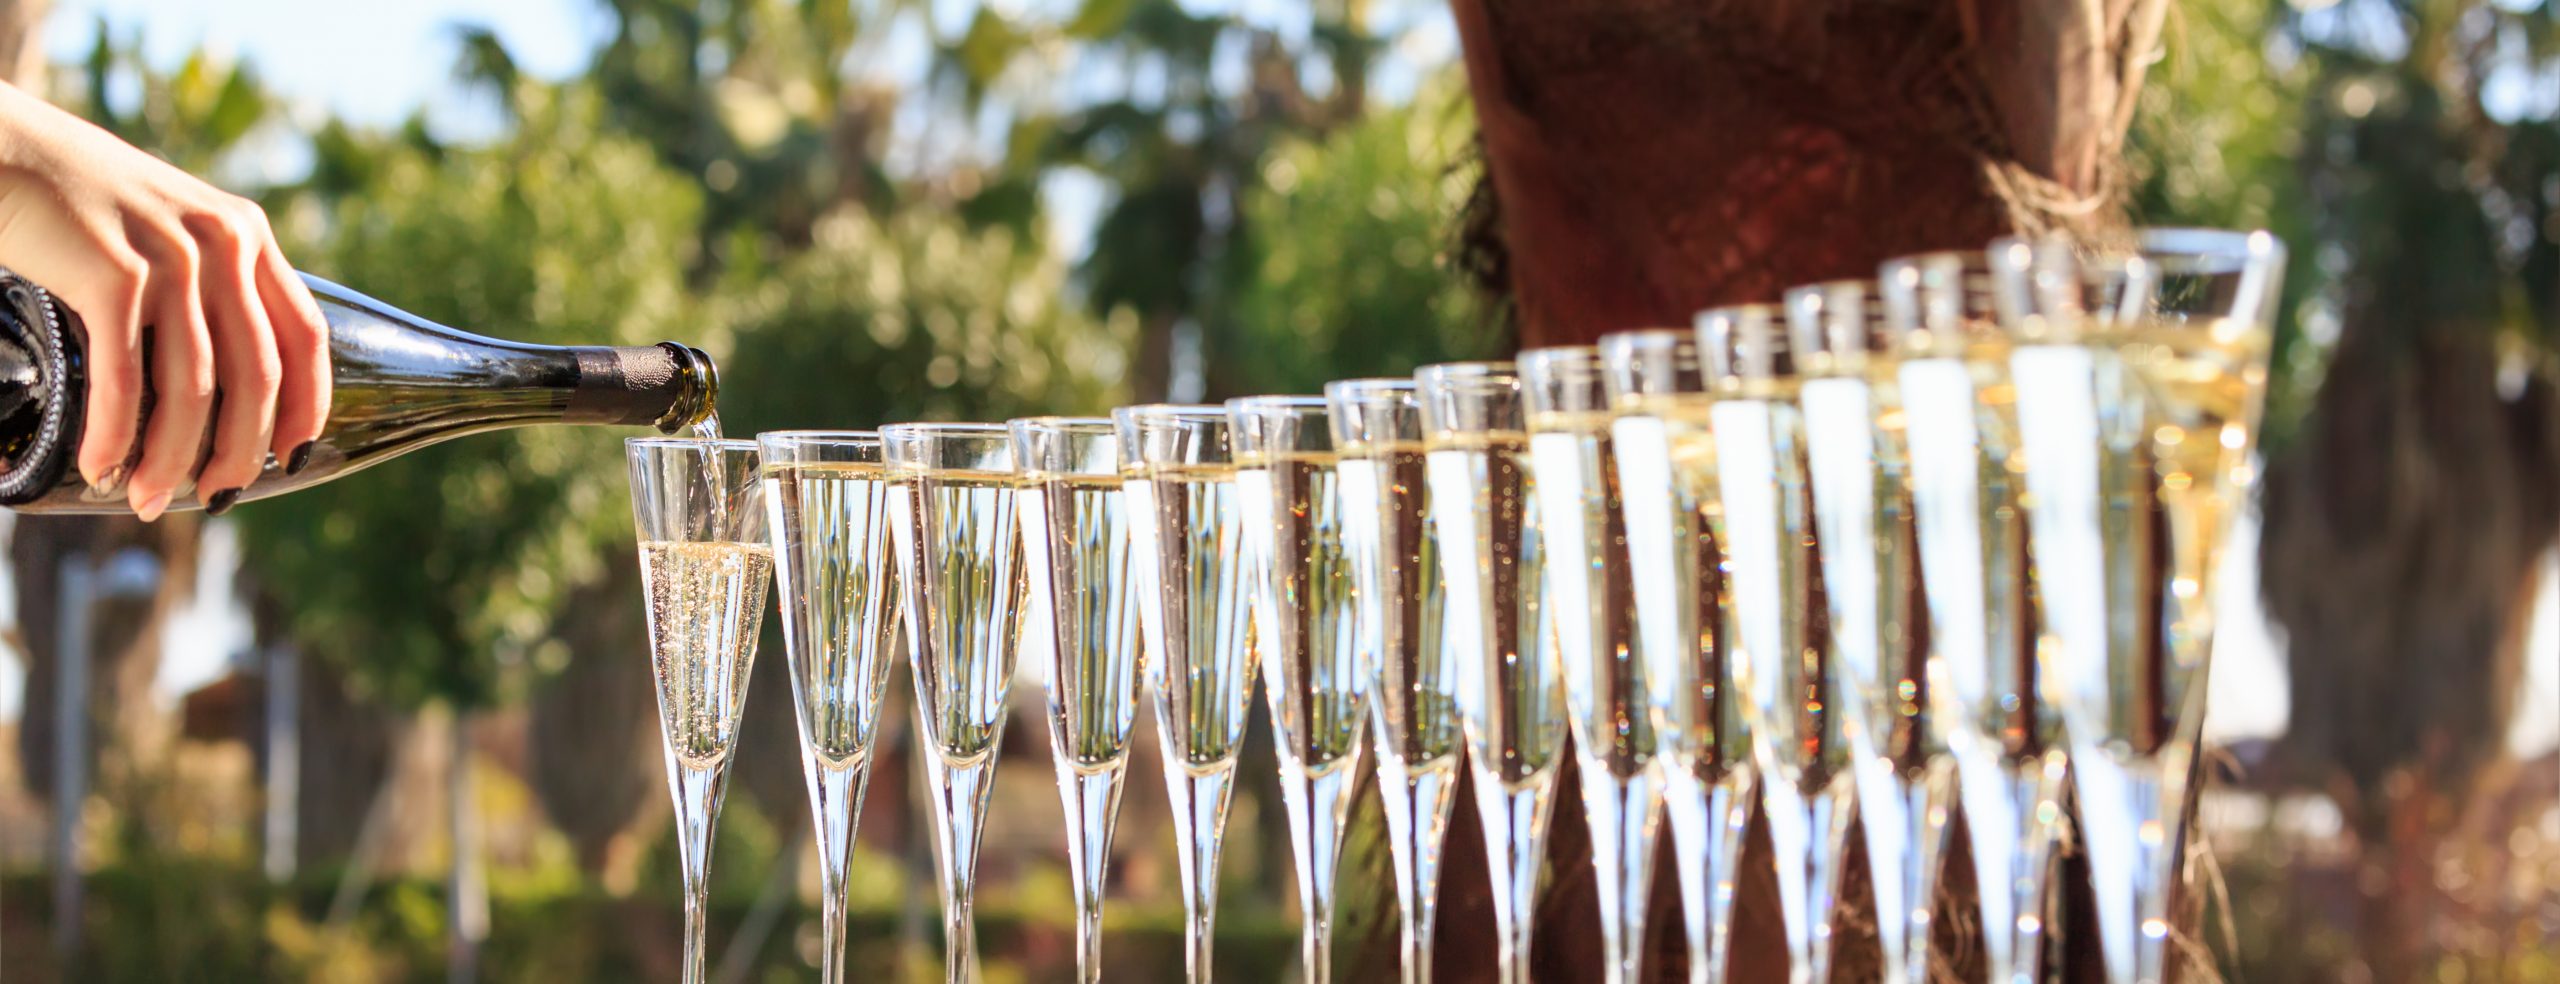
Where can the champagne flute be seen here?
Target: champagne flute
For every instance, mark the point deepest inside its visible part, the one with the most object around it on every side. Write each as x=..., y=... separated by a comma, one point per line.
x=1590, y=598
x=1298, y=579
x=1859, y=461
x=1683, y=607
x=1968, y=479
x=1076, y=546
x=1395, y=587
x=1510, y=689
x=1180, y=478
x=826, y=496
x=951, y=506
x=2139, y=372
x=706, y=567
x=1789, y=685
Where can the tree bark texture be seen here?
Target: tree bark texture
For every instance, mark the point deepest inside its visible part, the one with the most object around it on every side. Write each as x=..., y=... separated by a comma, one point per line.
x=1652, y=158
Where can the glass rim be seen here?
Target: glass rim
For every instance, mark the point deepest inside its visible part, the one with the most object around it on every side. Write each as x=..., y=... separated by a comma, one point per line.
x=668, y=442
x=1633, y=338
x=1268, y=403
x=929, y=428
x=1453, y=371
x=1824, y=287
x=1970, y=259
x=1172, y=412
x=1369, y=386
x=811, y=435
x=1061, y=423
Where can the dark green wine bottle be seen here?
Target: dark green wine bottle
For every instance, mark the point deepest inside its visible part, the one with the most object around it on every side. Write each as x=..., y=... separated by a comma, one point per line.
x=402, y=383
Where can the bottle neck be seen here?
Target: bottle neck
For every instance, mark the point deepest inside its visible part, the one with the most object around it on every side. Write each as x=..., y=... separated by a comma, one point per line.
x=496, y=382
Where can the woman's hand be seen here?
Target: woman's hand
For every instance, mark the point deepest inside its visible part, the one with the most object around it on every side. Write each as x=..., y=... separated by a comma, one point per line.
x=154, y=258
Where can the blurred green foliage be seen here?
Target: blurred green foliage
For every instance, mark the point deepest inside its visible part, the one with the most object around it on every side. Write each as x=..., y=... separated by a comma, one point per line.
x=431, y=573
x=716, y=176
x=1346, y=267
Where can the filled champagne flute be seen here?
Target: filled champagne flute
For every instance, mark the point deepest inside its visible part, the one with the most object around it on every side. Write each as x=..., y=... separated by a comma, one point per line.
x=1968, y=482
x=1683, y=607
x=2140, y=369
x=1510, y=688
x=1178, y=468
x=1395, y=589
x=961, y=571
x=1298, y=580
x=1859, y=462
x=1789, y=685
x=826, y=496
x=1082, y=624
x=706, y=568
x=1590, y=599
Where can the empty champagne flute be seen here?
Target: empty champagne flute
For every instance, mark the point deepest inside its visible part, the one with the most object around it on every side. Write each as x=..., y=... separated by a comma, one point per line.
x=706, y=567
x=1968, y=479
x=1298, y=578
x=1590, y=600
x=1683, y=606
x=1510, y=689
x=2139, y=371
x=1179, y=470
x=1790, y=690
x=960, y=564
x=826, y=496
x=1083, y=625
x=1859, y=462
x=1396, y=591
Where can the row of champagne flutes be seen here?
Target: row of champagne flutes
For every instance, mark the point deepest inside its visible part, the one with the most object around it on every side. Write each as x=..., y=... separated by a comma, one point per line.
x=1781, y=561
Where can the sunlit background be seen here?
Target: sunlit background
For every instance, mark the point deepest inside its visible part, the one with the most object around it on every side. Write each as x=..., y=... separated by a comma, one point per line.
x=869, y=211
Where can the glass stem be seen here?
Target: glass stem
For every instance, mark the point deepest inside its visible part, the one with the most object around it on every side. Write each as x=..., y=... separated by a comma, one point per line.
x=1317, y=803
x=1684, y=805
x=1092, y=800
x=1884, y=812
x=1623, y=823
x=2129, y=811
x=1200, y=797
x=697, y=800
x=2003, y=807
x=1830, y=811
x=960, y=794
x=696, y=901
x=1515, y=836
x=835, y=797
x=831, y=922
x=1417, y=804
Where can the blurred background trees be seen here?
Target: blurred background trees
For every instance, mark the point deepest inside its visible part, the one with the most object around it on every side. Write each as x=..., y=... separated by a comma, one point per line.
x=1070, y=204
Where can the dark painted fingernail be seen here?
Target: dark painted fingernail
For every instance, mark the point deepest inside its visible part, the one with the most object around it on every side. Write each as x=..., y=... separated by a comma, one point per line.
x=221, y=502
x=300, y=458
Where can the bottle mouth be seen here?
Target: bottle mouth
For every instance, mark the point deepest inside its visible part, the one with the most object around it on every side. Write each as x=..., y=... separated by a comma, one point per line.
x=698, y=400
x=39, y=406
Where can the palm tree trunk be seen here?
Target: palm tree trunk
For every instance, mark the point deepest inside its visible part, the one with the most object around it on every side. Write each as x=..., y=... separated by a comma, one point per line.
x=1650, y=158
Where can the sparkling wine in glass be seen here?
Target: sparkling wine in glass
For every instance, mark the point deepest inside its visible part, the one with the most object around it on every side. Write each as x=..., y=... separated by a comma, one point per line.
x=1083, y=623
x=1683, y=608
x=706, y=568
x=2140, y=369
x=1590, y=598
x=1179, y=471
x=960, y=565
x=826, y=496
x=1298, y=580
x=1510, y=688
x=1396, y=592
x=1859, y=461
x=1787, y=673
x=1968, y=480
